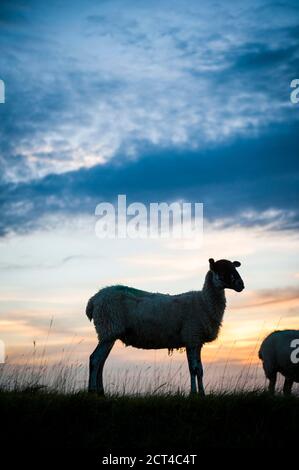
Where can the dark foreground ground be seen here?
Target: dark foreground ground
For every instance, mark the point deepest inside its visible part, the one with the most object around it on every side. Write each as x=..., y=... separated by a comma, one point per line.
x=145, y=423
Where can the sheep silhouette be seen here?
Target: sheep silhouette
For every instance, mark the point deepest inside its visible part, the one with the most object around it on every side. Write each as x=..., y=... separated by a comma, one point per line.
x=155, y=321
x=279, y=352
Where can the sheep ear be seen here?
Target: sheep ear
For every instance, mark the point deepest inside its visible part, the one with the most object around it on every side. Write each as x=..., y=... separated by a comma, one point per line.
x=236, y=264
x=212, y=264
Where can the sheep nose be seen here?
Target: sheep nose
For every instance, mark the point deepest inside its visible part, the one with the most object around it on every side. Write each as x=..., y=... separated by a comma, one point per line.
x=239, y=286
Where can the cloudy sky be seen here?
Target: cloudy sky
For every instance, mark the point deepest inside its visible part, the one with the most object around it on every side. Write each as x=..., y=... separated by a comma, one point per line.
x=161, y=101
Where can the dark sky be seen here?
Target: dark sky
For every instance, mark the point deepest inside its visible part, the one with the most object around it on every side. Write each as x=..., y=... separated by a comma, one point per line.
x=190, y=102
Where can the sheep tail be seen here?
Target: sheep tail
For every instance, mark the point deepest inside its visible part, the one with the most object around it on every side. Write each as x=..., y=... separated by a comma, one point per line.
x=89, y=309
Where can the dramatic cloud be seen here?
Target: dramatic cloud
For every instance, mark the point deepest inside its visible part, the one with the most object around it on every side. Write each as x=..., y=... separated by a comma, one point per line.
x=248, y=182
x=123, y=74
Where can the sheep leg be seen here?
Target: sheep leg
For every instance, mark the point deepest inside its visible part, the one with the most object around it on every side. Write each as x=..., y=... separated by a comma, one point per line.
x=105, y=353
x=96, y=365
x=199, y=374
x=195, y=368
x=272, y=382
x=287, y=387
x=92, y=370
x=191, y=356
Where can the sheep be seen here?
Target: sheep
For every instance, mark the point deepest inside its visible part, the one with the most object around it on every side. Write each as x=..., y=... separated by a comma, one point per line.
x=278, y=354
x=156, y=321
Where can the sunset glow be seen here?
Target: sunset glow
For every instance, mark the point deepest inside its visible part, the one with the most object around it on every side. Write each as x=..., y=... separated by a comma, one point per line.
x=161, y=102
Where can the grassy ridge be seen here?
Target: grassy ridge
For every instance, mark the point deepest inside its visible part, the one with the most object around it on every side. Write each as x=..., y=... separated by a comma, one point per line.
x=175, y=422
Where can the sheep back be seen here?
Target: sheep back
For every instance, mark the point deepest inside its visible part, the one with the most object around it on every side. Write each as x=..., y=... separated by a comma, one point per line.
x=148, y=320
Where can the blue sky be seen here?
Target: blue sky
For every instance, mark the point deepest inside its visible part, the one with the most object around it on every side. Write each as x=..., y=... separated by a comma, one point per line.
x=152, y=88
x=162, y=101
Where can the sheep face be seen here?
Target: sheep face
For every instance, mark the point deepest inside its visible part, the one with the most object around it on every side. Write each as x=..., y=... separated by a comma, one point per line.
x=225, y=275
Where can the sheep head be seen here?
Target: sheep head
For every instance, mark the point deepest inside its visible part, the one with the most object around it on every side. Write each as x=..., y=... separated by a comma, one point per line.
x=225, y=275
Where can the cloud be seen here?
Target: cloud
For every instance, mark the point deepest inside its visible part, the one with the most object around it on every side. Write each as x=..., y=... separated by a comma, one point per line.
x=248, y=182
x=171, y=78
x=51, y=265
x=199, y=107
x=272, y=297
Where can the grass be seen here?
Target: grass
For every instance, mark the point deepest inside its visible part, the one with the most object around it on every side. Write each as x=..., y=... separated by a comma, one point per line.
x=80, y=420
x=43, y=406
